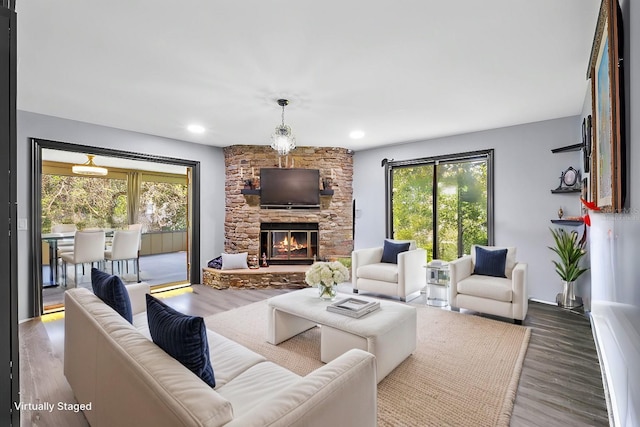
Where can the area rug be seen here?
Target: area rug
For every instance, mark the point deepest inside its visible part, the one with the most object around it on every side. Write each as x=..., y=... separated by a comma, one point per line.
x=464, y=372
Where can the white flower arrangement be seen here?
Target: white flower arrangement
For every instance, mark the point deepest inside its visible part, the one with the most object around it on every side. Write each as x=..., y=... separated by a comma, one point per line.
x=325, y=276
x=326, y=273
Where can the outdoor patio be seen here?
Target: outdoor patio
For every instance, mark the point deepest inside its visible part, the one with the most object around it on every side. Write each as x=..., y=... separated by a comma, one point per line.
x=154, y=269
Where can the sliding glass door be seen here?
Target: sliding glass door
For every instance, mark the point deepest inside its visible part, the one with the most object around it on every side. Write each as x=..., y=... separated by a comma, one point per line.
x=151, y=191
x=444, y=203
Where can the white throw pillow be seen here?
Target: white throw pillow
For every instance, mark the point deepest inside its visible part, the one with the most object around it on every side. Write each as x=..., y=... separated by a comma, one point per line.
x=234, y=261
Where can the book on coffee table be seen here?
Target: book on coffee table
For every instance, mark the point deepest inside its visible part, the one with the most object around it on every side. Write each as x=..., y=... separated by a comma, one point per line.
x=353, y=307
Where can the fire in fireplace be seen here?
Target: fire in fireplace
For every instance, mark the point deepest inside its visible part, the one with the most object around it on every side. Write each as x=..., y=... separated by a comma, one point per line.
x=289, y=243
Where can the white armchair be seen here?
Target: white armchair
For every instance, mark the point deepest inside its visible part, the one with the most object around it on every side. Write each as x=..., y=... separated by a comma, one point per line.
x=505, y=297
x=406, y=277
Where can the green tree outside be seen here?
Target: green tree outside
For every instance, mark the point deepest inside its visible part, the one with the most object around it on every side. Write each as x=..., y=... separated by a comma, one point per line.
x=163, y=206
x=412, y=202
x=461, y=198
x=84, y=201
x=99, y=202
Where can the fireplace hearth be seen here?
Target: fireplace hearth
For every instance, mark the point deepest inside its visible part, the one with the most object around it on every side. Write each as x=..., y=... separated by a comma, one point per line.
x=289, y=243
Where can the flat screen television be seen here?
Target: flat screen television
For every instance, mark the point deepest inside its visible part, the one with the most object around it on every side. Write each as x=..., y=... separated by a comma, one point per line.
x=289, y=188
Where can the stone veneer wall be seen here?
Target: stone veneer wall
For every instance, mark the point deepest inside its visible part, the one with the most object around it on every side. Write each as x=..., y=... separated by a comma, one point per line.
x=243, y=215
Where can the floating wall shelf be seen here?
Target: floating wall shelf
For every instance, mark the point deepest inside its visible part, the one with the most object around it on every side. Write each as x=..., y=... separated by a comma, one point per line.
x=256, y=192
x=574, y=147
x=568, y=221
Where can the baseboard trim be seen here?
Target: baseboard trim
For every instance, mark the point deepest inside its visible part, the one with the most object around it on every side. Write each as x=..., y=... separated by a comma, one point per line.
x=543, y=301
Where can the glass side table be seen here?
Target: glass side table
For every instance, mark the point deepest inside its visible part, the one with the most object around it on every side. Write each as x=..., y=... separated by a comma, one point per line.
x=437, y=288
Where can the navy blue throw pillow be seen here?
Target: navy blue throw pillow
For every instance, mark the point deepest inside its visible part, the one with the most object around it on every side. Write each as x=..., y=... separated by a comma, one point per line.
x=390, y=251
x=215, y=263
x=490, y=263
x=112, y=292
x=183, y=337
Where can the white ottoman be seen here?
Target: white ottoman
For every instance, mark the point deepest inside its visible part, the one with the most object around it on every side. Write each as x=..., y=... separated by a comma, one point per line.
x=388, y=333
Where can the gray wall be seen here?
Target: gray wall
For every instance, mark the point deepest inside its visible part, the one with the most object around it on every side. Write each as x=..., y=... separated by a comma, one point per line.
x=211, y=159
x=525, y=171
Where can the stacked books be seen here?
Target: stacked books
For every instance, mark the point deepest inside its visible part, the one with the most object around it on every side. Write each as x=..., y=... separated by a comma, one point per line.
x=353, y=307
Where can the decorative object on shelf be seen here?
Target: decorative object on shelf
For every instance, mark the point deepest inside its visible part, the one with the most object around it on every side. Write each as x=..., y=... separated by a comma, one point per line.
x=264, y=260
x=606, y=74
x=591, y=206
x=254, y=262
x=570, y=251
x=89, y=168
x=560, y=213
x=282, y=139
x=327, y=183
x=570, y=177
x=326, y=276
x=569, y=180
x=250, y=184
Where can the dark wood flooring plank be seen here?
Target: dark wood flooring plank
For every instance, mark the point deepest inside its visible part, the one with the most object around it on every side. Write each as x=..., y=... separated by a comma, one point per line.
x=561, y=381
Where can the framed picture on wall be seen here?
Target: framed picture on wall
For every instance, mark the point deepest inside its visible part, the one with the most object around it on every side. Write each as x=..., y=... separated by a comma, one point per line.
x=607, y=118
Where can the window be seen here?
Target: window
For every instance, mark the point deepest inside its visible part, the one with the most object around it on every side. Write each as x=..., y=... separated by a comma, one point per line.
x=445, y=203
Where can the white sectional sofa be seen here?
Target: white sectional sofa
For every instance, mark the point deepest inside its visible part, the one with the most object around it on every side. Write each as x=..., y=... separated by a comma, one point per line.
x=130, y=381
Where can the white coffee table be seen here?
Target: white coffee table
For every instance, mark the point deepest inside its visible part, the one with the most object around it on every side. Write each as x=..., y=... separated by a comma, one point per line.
x=388, y=333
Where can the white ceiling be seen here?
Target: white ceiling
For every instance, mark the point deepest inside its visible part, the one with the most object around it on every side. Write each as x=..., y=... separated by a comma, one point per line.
x=400, y=71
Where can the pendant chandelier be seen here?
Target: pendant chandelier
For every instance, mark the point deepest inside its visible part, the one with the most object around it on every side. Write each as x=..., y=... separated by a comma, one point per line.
x=89, y=168
x=282, y=139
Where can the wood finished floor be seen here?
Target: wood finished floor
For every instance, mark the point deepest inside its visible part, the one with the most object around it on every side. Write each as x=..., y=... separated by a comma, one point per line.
x=560, y=383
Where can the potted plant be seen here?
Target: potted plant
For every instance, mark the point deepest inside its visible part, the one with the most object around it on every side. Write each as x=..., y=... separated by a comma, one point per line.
x=570, y=251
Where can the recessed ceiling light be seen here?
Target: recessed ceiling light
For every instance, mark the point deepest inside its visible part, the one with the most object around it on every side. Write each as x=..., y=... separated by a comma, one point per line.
x=356, y=134
x=195, y=128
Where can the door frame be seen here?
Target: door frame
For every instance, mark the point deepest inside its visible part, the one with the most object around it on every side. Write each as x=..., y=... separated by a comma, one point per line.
x=10, y=356
x=38, y=144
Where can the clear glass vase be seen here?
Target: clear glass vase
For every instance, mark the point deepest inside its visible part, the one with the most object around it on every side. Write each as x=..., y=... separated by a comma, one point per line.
x=327, y=292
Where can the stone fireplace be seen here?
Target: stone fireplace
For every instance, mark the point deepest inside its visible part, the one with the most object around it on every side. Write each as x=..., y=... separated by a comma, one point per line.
x=324, y=232
x=289, y=243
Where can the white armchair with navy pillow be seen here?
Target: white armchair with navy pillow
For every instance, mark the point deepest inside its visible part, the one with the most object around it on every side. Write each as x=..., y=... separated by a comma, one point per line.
x=395, y=269
x=490, y=281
